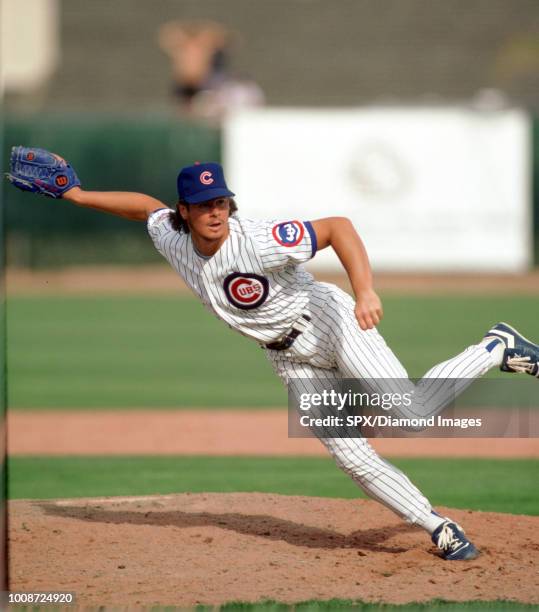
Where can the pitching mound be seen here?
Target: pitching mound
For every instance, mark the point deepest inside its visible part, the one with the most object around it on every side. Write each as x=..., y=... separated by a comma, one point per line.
x=213, y=548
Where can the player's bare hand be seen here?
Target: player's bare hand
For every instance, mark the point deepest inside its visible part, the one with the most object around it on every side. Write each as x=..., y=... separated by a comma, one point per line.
x=368, y=309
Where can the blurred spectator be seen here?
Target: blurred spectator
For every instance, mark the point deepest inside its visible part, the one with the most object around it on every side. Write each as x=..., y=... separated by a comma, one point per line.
x=203, y=84
x=231, y=94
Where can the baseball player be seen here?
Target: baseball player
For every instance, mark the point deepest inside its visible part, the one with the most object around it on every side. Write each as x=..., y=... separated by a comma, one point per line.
x=249, y=274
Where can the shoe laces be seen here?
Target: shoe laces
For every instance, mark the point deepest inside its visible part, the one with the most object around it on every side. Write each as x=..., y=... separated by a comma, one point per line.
x=447, y=539
x=521, y=364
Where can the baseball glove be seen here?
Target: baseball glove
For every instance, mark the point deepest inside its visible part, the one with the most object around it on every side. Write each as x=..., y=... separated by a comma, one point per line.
x=40, y=171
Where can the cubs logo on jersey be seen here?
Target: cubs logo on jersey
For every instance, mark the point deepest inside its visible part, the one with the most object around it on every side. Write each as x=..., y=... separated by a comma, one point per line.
x=289, y=233
x=245, y=290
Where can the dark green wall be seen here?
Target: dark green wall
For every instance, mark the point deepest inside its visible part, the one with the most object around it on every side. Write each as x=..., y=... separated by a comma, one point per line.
x=535, y=179
x=110, y=153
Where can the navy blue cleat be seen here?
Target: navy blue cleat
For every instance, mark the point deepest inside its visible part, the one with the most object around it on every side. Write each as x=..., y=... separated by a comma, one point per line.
x=455, y=546
x=520, y=355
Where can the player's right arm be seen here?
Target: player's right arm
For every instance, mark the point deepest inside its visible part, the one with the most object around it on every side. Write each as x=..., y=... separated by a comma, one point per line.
x=340, y=234
x=130, y=205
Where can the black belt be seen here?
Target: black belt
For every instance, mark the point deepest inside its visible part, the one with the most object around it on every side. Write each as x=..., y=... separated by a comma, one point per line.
x=287, y=341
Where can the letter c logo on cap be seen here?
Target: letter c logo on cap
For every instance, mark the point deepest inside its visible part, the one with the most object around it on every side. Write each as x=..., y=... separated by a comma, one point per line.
x=206, y=178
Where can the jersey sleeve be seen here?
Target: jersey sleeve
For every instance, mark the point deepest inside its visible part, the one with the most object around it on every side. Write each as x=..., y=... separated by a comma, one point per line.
x=160, y=229
x=285, y=242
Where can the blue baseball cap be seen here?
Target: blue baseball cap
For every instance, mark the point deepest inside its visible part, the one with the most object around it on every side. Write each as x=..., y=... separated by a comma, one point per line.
x=202, y=182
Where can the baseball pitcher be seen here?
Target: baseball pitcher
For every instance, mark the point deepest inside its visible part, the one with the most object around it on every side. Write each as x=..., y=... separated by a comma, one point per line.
x=249, y=273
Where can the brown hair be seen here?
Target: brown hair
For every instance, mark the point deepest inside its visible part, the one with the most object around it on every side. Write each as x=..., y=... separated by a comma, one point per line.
x=180, y=225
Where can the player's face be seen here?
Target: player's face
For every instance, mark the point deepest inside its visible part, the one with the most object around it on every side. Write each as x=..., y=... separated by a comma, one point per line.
x=208, y=221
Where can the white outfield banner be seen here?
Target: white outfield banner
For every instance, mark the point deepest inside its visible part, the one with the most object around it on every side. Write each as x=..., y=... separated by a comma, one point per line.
x=441, y=189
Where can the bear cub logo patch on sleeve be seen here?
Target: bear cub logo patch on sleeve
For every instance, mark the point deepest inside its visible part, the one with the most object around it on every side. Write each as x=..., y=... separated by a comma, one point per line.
x=289, y=233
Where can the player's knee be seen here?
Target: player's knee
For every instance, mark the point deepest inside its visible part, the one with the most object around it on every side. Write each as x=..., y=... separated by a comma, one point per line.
x=357, y=469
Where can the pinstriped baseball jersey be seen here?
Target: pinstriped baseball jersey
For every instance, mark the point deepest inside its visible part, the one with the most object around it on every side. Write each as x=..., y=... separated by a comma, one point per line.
x=255, y=282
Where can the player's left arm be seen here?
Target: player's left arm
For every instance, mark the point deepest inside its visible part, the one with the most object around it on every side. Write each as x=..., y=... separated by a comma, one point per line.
x=340, y=234
x=129, y=205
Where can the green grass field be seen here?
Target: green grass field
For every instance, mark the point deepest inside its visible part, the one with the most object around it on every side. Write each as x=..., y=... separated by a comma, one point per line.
x=478, y=484
x=339, y=605
x=100, y=352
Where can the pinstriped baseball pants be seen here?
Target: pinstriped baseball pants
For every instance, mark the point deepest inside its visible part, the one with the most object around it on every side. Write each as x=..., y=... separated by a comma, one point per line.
x=335, y=347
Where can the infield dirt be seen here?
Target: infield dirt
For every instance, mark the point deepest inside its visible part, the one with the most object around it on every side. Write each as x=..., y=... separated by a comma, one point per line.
x=214, y=548
x=161, y=279
x=213, y=432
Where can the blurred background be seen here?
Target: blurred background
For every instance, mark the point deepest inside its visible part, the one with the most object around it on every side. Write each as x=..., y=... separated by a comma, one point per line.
x=423, y=112
x=418, y=119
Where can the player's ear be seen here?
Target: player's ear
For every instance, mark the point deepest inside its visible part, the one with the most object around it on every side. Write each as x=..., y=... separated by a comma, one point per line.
x=183, y=211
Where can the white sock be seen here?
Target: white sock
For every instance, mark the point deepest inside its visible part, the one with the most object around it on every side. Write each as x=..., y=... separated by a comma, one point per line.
x=432, y=522
x=495, y=347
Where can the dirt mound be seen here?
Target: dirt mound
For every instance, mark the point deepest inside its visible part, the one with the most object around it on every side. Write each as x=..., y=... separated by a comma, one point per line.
x=213, y=548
